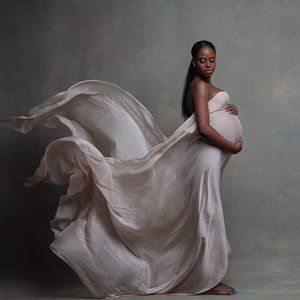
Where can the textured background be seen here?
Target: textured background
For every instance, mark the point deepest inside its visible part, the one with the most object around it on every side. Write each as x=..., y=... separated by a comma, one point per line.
x=144, y=47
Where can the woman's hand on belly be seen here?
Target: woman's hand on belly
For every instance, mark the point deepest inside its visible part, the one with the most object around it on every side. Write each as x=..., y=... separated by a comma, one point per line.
x=237, y=147
x=231, y=108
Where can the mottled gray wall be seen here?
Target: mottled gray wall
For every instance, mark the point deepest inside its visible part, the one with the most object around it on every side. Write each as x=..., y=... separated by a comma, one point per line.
x=144, y=46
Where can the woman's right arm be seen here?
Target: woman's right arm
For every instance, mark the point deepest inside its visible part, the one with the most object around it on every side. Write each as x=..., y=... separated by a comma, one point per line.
x=200, y=98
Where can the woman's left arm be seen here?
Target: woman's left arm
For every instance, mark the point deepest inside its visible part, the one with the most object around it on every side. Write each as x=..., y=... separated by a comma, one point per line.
x=231, y=108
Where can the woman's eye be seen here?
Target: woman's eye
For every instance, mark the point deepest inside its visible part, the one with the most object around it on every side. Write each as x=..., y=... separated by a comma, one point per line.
x=203, y=60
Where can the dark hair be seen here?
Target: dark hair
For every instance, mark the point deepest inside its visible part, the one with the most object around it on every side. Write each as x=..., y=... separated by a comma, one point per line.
x=190, y=75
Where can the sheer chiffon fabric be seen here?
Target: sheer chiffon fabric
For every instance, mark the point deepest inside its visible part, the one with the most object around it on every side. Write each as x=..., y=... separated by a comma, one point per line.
x=143, y=212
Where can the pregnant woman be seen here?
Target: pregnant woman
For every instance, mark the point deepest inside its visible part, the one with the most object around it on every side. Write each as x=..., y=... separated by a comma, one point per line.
x=143, y=212
x=209, y=104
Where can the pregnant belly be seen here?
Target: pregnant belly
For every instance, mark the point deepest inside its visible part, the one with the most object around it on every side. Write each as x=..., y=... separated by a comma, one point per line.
x=228, y=125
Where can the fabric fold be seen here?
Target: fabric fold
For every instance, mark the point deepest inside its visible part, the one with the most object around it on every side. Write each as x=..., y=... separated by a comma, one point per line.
x=143, y=212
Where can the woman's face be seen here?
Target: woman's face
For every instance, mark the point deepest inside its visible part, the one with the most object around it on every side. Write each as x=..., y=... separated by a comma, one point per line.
x=205, y=61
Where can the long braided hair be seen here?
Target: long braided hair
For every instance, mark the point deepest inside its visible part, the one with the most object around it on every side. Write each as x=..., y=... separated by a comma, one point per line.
x=191, y=74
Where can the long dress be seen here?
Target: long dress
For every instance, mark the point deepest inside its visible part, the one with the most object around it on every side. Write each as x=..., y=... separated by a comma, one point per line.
x=143, y=212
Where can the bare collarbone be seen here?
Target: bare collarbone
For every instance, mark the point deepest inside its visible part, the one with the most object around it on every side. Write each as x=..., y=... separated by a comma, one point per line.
x=212, y=93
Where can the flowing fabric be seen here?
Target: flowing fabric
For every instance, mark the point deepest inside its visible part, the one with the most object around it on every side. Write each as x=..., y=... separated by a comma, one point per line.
x=143, y=212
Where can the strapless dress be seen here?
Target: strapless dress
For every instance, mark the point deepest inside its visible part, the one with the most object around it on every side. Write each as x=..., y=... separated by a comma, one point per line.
x=143, y=211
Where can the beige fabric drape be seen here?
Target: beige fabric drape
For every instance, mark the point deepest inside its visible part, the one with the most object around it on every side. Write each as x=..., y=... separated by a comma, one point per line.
x=143, y=212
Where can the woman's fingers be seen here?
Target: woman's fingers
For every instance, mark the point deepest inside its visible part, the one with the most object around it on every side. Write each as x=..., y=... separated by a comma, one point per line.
x=228, y=106
x=231, y=108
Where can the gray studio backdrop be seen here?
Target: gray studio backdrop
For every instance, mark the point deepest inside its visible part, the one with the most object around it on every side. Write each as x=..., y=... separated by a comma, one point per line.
x=144, y=47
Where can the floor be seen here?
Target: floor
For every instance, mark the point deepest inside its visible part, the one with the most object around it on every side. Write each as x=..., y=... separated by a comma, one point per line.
x=261, y=280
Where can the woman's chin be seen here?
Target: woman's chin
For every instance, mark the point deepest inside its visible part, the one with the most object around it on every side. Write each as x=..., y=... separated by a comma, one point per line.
x=208, y=74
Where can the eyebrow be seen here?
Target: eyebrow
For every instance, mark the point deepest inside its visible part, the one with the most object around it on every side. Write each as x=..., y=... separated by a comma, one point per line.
x=209, y=57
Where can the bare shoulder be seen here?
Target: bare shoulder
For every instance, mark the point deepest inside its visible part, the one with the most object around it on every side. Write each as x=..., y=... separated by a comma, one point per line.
x=199, y=88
